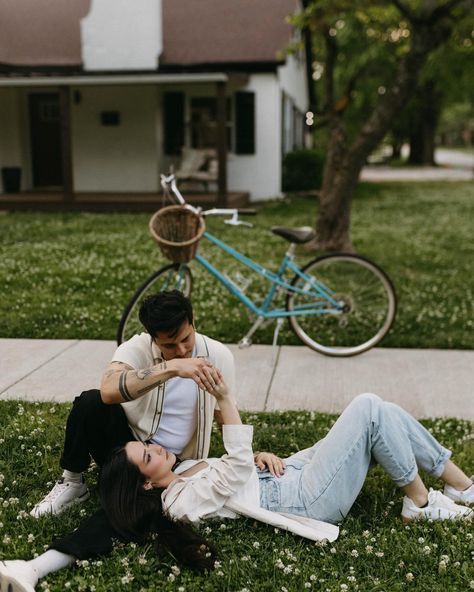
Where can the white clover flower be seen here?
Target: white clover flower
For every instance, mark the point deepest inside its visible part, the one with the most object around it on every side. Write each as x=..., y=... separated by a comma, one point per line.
x=355, y=553
x=471, y=584
x=171, y=577
x=313, y=577
x=369, y=548
x=379, y=554
x=344, y=587
x=307, y=584
x=409, y=577
x=127, y=578
x=333, y=550
x=31, y=538
x=426, y=550
x=175, y=569
x=222, y=527
x=245, y=558
x=421, y=540
x=256, y=545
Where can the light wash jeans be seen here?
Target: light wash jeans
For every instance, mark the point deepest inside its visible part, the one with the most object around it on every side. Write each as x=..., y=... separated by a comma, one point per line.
x=323, y=481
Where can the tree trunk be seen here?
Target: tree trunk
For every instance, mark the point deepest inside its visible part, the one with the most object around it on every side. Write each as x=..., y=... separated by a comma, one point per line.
x=424, y=124
x=344, y=163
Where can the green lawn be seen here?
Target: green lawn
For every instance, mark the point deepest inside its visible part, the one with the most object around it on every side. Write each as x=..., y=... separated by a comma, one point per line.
x=70, y=275
x=375, y=552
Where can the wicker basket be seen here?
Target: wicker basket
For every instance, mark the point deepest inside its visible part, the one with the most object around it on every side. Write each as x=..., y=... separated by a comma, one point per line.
x=177, y=230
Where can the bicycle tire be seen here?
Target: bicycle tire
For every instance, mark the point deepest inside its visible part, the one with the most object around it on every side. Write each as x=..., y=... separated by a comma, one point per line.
x=351, y=332
x=173, y=276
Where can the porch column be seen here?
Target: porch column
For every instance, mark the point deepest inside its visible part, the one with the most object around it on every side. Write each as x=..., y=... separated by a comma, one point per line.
x=221, y=145
x=66, y=143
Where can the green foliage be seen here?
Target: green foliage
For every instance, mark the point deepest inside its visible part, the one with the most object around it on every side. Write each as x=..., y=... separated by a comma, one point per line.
x=375, y=551
x=302, y=170
x=69, y=276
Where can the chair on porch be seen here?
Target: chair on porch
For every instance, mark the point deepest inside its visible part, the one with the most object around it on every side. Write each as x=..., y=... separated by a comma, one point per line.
x=198, y=165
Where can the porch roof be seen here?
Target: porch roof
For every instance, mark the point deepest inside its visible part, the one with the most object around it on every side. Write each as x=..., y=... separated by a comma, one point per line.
x=46, y=33
x=111, y=79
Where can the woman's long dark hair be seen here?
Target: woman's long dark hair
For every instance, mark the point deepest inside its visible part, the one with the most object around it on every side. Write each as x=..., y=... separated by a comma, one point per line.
x=136, y=514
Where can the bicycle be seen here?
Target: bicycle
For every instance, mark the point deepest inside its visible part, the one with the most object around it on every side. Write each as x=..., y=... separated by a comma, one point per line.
x=338, y=304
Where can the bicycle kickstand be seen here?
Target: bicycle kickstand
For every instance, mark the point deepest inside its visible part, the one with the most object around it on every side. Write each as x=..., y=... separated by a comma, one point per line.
x=278, y=326
x=246, y=340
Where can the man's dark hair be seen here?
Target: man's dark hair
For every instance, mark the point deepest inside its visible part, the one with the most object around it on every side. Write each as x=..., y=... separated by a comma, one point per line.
x=165, y=312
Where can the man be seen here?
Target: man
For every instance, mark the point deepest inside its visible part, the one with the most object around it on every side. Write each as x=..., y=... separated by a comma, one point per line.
x=155, y=389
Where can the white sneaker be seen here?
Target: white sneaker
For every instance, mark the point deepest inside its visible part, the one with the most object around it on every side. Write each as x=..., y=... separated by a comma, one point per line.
x=439, y=507
x=17, y=576
x=465, y=497
x=63, y=495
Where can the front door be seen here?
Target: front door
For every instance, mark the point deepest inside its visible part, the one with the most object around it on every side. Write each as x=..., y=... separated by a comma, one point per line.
x=45, y=137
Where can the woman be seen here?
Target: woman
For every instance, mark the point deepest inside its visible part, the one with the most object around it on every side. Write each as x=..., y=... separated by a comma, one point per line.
x=143, y=485
x=145, y=491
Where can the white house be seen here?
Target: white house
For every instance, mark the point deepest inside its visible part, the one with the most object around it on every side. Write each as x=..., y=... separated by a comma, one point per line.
x=97, y=97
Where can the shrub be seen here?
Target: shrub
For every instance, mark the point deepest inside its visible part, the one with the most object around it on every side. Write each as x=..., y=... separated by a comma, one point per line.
x=302, y=170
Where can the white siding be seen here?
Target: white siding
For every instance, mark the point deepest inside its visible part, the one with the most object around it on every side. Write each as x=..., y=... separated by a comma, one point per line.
x=115, y=158
x=292, y=79
x=122, y=35
x=260, y=173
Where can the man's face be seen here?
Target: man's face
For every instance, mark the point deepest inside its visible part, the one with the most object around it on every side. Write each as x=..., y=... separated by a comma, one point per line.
x=180, y=345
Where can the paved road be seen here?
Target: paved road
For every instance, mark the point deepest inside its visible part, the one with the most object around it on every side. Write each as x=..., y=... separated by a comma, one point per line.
x=453, y=165
x=428, y=383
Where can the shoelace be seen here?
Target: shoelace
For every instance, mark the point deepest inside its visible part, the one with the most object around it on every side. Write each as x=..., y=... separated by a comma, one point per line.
x=55, y=492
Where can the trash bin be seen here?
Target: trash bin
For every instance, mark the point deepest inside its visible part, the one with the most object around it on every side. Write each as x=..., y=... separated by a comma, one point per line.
x=11, y=179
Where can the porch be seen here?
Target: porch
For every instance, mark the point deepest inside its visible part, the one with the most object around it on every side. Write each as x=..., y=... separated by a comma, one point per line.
x=109, y=201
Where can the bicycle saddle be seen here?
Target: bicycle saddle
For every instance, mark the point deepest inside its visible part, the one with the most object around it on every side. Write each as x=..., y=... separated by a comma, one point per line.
x=300, y=235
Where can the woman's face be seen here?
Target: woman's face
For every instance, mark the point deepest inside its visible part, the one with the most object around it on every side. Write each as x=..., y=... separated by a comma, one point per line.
x=153, y=461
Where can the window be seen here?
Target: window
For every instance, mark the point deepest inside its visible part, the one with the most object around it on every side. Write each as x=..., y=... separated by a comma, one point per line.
x=204, y=122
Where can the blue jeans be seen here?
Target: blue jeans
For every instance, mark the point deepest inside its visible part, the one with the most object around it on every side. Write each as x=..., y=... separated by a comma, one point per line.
x=323, y=481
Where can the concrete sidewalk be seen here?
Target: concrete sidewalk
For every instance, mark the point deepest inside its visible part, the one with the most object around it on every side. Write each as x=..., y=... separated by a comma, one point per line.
x=427, y=383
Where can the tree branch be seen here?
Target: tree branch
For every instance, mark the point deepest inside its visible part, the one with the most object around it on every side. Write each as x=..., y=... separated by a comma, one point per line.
x=330, y=65
x=405, y=10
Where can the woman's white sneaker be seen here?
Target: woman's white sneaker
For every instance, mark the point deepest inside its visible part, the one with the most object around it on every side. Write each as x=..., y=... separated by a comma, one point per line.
x=63, y=495
x=439, y=507
x=17, y=576
x=465, y=497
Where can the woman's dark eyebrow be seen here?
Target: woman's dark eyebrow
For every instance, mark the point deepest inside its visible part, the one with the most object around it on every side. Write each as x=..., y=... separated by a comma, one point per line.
x=144, y=454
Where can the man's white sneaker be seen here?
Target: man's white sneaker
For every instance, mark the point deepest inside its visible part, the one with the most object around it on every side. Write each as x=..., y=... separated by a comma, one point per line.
x=17, y=576
x=465, y=497
x=439, y=507
x=63, y=495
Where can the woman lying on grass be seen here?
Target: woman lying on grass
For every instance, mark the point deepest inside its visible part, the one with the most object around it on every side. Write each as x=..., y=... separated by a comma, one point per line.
x=145, y=492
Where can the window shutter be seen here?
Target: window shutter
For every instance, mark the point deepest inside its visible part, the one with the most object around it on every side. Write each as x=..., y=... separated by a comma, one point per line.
x=244, y=122
x=173, y=122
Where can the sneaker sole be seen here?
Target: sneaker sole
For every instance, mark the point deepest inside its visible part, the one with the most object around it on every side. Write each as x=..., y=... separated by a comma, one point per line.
x=8, y=583
x=76, y=500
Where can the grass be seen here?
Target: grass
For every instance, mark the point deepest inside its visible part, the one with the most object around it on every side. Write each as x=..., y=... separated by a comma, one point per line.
x=375, y=552
x=70, y=275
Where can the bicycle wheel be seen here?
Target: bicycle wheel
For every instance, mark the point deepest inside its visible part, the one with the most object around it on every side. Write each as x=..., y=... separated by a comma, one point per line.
x=355, y=302
x=170, y=277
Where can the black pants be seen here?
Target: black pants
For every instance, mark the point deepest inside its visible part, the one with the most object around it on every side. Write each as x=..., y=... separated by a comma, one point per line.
x=93, y=430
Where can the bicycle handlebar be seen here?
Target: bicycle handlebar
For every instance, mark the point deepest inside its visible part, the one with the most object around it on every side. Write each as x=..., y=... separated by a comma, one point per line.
x=168, y=183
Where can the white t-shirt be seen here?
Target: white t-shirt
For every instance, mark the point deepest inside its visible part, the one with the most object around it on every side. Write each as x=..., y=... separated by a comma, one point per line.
x=179, y=415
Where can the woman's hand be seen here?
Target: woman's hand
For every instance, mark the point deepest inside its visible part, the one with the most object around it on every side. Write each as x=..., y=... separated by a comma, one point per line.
x=272, y=462
x=216, y=385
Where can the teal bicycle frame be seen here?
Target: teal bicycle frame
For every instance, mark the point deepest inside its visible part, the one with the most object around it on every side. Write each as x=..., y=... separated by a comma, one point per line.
x=325, y=298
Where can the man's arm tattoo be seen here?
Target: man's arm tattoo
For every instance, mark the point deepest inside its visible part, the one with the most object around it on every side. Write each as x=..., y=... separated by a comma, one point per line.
x=123, y=387
x=148, y=388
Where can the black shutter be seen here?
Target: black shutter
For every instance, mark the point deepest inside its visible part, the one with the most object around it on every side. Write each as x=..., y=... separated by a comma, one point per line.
x=244, y=122
x=173, y=122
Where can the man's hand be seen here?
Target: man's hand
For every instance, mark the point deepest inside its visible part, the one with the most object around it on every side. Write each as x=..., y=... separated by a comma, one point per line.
x=204, y=374
x=267, y=460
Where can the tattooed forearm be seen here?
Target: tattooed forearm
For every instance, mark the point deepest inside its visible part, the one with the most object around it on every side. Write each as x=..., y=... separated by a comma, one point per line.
x=145, y=373
x=123, y=387
x=148, y=388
